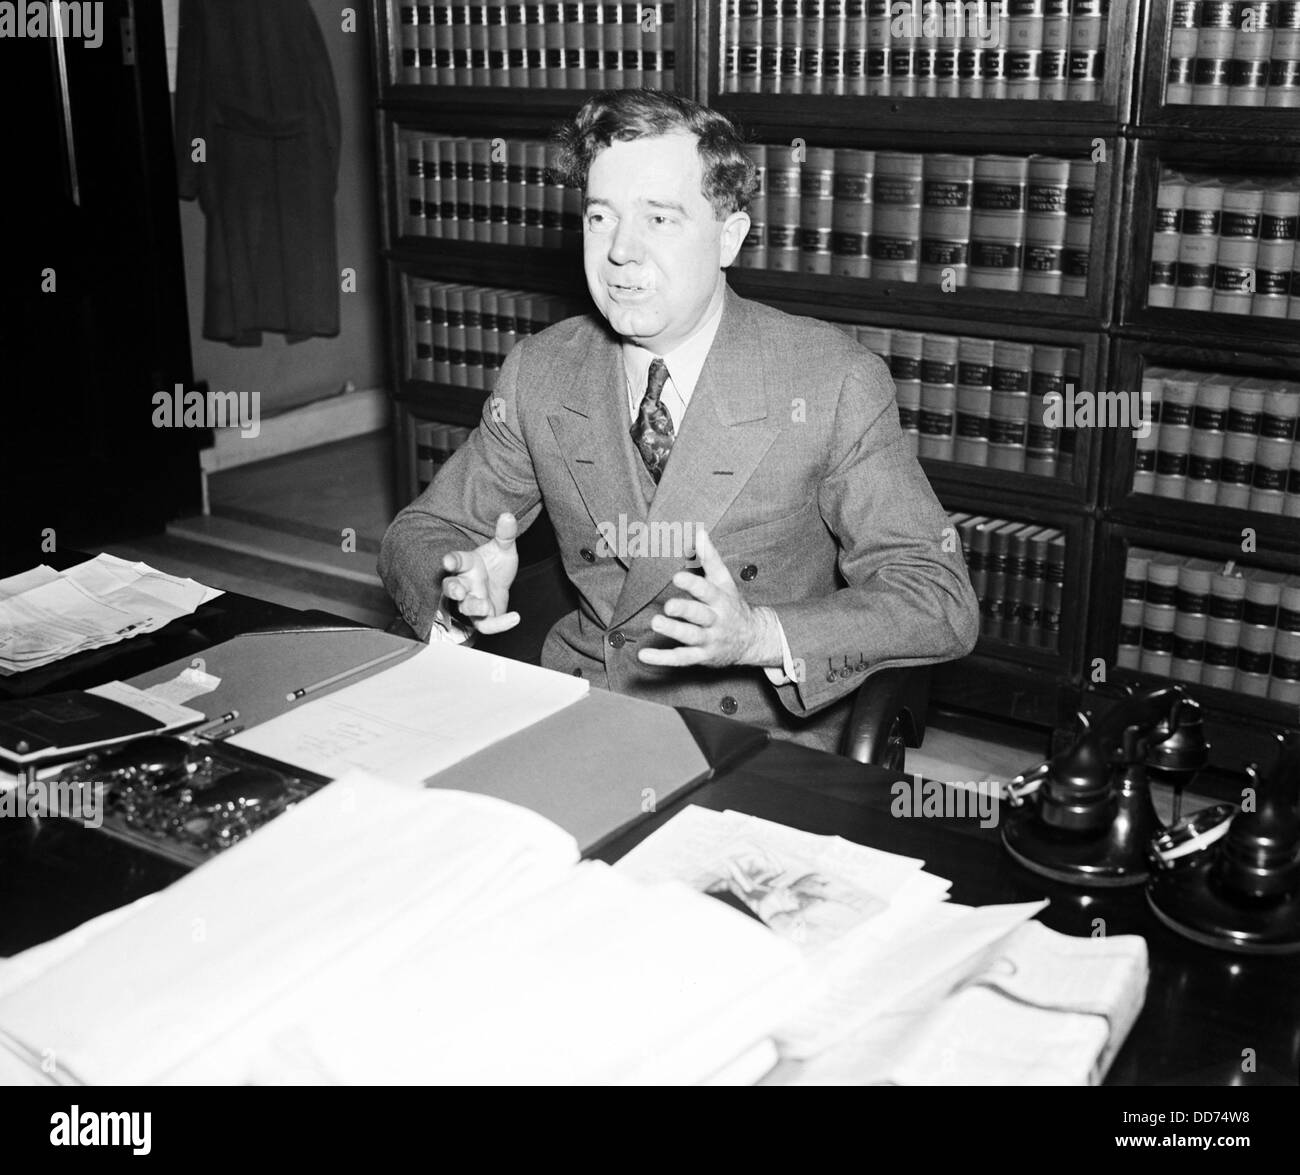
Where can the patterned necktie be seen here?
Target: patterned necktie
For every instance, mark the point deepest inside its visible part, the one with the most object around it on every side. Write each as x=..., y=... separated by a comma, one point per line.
x=652, y=431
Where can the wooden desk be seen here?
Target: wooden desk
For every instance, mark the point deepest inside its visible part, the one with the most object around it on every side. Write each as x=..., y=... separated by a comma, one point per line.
x=1203, y=1007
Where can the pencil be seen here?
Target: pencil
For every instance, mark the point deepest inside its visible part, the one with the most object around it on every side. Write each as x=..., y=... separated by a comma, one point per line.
x=294, y=695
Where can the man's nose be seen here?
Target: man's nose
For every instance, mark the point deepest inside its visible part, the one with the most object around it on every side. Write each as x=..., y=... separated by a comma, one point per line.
x=626, y=244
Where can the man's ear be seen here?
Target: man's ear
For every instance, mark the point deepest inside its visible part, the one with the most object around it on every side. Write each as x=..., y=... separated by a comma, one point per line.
x=734, y=230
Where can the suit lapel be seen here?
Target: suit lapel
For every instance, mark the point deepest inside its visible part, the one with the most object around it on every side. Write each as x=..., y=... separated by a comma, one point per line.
x=592, y=430
x=725, y=435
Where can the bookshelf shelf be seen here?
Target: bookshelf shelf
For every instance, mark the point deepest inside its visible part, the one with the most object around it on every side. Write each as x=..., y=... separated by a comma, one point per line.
x=556, y=271
x=1053, y=126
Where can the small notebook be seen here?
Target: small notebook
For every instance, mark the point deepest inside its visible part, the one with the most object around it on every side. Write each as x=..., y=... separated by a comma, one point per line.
x=34, y=730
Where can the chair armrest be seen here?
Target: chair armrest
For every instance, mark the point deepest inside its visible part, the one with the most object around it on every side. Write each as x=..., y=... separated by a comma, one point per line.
x=887, y=696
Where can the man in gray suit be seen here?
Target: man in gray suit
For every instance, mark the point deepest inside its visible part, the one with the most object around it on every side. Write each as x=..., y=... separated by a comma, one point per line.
x=691, y=423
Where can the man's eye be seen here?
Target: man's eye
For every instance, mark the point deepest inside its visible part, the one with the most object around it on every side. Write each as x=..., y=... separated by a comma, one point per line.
x=660, y=221
x=598, y=222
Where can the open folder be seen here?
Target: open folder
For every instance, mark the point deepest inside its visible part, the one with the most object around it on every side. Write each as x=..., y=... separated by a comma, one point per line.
x=592, y=761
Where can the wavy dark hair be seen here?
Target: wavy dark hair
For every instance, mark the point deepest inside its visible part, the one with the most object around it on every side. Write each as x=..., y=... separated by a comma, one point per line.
x=730, y=178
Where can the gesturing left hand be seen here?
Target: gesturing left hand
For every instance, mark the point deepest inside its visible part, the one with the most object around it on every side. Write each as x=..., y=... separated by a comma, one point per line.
x=713, y=625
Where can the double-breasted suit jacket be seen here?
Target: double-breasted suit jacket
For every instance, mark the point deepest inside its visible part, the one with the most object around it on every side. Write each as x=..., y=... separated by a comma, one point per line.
x=790, y=455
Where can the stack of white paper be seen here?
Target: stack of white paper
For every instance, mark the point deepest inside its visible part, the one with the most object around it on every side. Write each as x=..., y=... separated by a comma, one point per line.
x=907, y=987
x=381, y=934
x=46, y=615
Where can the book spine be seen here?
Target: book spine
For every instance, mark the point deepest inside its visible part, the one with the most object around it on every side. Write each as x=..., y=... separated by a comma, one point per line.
x=855, y=47
x=498, y=42
x=1284, y=67
x=1087, y=62
x=408, y=44
x=1046, y=379
x=753, y=252
x=1240, y=446
x=1080, y=204
x=905, y=353
x=851, y=213
x=1029, y=613
x=769, y=57
x=516, y=199
x=878, y=59
x=1279, y=227
x=420, y=299
x=1251, y=54
x=812, y=66
x=441, y=333
x=410, y=161
x=1180, y=69
x=977, y=549
x=791, y=81
x=1009, y=407
x=1198, y=246
x=1024, y=58
x=473, y=349
x=1054, y=591
x=457, y=368
x=783, y=187
x=1054, y=65
x=974, y=400
x=896, y=216
x=535, y=194
x=517, y=44
x=1045, y=222
x=936, y=425
x=1234, y=264
x=499, y=192
x=834, y=33
x=998, y=222
x=481, y=190
x=1146, y=447
x=946, y=220
x=749, y=46
x=816, y=207
x=902, y=43
x=480, y=73
x=1215, y=40
x=553, y=200
x=1163, y=281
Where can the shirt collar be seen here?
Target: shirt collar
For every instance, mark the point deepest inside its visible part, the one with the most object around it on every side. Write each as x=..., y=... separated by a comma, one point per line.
x=684, y=363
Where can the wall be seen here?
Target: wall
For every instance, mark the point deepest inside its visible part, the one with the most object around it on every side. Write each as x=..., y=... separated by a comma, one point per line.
x=288, y=375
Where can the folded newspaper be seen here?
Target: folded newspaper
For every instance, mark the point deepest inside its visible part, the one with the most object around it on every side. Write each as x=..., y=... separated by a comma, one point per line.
x=46, y=615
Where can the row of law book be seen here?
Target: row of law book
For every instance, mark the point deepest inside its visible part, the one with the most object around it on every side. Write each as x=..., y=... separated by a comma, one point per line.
x=1220, y=440
x=1018, y=572
x=1226, y=245
x=979, y=401
x=461, y=334
x=520, y=45
x=1026, y=49
x=498, y=191
x=998, y=222
x=433, y=443
x=1207, y=623
x=1228, y=53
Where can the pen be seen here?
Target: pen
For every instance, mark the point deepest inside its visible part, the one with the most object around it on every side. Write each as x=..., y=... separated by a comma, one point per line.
x=320, y=685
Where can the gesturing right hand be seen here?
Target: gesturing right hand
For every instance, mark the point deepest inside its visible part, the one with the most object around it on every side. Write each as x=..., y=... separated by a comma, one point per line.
x=479, y=580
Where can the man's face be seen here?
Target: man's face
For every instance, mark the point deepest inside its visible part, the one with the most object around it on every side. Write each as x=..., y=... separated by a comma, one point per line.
x=653, y=249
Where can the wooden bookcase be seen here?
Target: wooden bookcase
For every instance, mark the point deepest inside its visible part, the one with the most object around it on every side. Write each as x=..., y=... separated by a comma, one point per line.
x=1116, y=333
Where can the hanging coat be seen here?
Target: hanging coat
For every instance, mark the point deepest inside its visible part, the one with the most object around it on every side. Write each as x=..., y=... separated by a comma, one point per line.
x=254, y=84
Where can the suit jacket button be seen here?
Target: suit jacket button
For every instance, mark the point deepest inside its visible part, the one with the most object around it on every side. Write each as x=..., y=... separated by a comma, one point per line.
x=617, y=640
x=748, y=572
x=728, y=705
x=588, y=554
x=577, y=673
